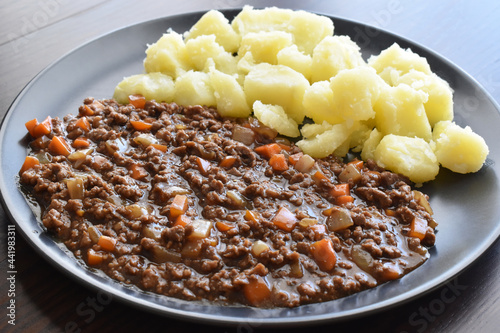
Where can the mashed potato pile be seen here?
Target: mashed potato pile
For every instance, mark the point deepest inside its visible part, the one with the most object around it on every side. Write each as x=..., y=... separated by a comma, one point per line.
x=287, y=66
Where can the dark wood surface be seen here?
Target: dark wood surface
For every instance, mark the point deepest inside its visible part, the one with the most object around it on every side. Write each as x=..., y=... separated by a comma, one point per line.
x=33, y=34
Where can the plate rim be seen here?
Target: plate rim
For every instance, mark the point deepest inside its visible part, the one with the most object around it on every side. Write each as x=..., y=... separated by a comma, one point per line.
x=427, y=287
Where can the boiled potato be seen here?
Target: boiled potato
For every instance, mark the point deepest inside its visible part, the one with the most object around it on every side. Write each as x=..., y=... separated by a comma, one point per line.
x=194, y=88
x=439, y=105
x=326, y=143
x=411, y=157
x=153, y=86
x=459, y=149
x=396, y=58
x=264, y=45
x=371, y=143
x=275, y=117
x=355, y=92
x=214, y=23
x=290, y=56
x=309, y=131
x=359, y=136
x=229, y=96
x=318, y=103
x=277, y=85
x=400, y=110
x=307, y=28
x=168, y=56
x=205, y=47
x=333, y=54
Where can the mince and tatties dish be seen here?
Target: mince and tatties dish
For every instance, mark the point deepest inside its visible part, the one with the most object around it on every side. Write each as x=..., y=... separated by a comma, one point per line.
x=259, y=161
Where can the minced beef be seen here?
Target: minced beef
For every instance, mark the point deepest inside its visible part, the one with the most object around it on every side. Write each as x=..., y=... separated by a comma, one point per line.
x=182, y=202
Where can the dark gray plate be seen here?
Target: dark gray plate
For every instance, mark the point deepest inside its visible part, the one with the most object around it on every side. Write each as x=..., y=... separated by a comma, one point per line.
x=466, y=206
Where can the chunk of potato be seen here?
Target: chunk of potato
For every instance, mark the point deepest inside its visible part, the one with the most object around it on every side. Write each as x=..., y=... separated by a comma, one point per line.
x=229, y=96
x=168, y=56
x=291, y=56
x=318, y=103
x=371, y=143
x=205, y=47
x=277, y=85
x=400, y=110
x=153, y=86
x=355, y=92
x=439, y=105
x=307, y=28
x=333, y=54
x=275, y=117
x=265, y=45
x=194, y=88
x=459, y=149
x=214, y=23
x=326, y=143
x=309, y=131
x=411, y=157
x=399, y=59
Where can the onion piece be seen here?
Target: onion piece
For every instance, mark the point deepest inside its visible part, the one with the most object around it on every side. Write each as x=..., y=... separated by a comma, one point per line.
x=305, y=163
x=259, y=247
x=350, y=173
x=339, y=219
x=243, y=134
x=94, y=233
x=153, y=231
x=75, y=188
x=362, y=258
x=201, y=229
x=161, y=255
x=422, y=201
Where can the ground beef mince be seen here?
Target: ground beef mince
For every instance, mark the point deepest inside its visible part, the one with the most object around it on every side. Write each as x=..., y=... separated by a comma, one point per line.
x=182, y=202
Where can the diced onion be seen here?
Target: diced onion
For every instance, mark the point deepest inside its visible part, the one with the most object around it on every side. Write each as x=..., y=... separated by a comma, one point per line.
x=75, y=188
x=259, y=247
x=94, y=233
x=201, y=229
x=422, y=201
x=243, y=134
x=339, y=219
x=350, y=173
x=305, y=163
x=362, y=258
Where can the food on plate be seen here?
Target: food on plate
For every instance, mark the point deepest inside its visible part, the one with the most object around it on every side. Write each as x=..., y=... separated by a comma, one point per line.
x=180, y=201
x=292, y=61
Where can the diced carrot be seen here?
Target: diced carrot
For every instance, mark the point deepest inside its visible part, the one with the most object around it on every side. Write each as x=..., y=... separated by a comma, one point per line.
x=137, y=101
x=182, y=220
x=343, y=199
x=137, y=172
x=293, y=159
x=59, y=146
x=418, y=228
x=390, y=272
x=227, y=162
x=324, y=254
x=29, y=162
x=83, y=123
x=285, y=219
x=86, y=110
x=357, y=163
x=339, y=190
x=140, y=125
x=223, y=226
x=107, y=243
x=251, y=216
x=30, y=126
x=257, y=291
x=162, y=148
x=94, y=258
x=43, y=128
x=390, y=212
x=178, y=206
x=278, y=162
x=285, y=147
x=81, y=142
x=268, y=150
x=203, y=165
x=319, y=176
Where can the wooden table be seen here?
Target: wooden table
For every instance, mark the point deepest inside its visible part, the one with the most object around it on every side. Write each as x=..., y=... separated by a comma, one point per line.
x=35, y=33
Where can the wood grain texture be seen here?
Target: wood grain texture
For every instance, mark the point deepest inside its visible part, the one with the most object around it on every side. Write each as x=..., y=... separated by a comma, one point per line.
x=465, y=32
